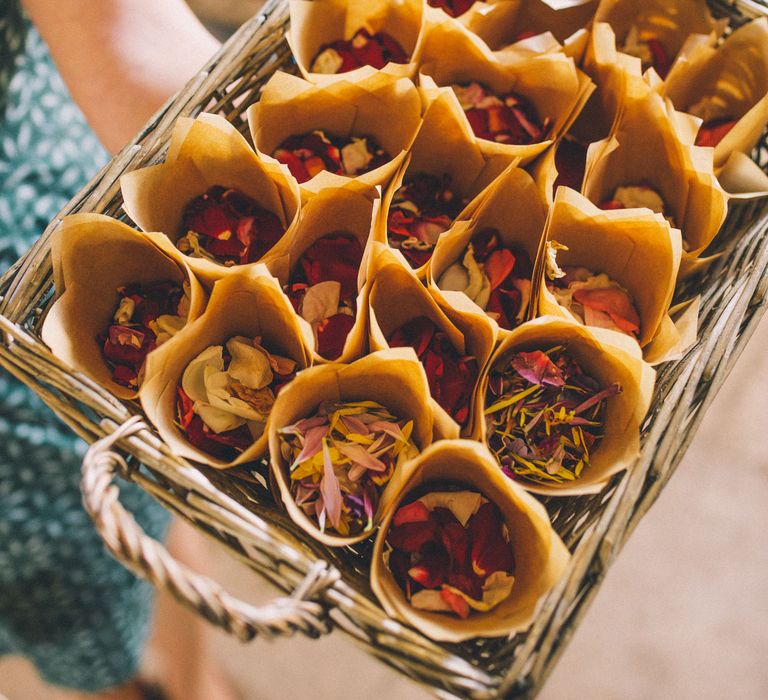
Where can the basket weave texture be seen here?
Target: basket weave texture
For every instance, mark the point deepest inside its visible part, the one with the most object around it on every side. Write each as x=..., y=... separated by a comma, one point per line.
x=241, y=514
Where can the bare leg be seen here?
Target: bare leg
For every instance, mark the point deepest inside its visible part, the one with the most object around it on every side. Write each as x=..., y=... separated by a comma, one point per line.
x=179, y=641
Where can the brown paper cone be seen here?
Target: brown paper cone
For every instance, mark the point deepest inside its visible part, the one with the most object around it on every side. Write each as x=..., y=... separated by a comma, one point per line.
x=353, y=209
x=639, y=251
x=317, y=23
x=646, y=149
x=540, y=555
x=248, y=304
x=672, y=22
x=379, y=105
x=391, y=378
x=556, y=88
x=93, y=256
x=610, y=358
x=501, y=23
x=513, y=205
x=736, y=76
x=205, y=152
x=446, y=146
x=391, y=282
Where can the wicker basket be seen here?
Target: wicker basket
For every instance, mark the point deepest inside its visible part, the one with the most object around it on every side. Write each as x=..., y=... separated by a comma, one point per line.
x=330, y=588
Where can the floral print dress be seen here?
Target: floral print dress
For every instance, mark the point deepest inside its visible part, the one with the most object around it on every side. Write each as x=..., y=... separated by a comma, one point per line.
x=65, y=604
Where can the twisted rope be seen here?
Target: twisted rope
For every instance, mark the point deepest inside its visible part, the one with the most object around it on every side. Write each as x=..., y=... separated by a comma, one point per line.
x=150, y=560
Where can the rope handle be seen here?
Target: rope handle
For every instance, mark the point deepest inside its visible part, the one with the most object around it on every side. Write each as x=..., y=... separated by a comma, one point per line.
x=149, y=559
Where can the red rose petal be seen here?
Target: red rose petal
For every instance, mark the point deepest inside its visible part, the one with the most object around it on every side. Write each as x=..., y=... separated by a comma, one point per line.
x=490, y=552
x=431, y=571
x=661, y=60
x=411, y=537
x=332, y=334
x=415, y=512
x=499, y=266
x=713, y=132
x=615, y=303
x=456, y=603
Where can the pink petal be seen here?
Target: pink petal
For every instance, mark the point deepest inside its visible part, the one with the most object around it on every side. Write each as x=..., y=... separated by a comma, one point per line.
x=313, y=441
x=361, y=456
x=330, y=488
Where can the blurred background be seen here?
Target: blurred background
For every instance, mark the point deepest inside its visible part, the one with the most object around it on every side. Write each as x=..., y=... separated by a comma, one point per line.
x=681, y=615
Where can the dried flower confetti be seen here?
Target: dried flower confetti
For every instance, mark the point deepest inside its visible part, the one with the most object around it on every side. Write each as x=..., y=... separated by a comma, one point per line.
x=449, y=551
x=545, y=416
x=509, y=119
x=226, y=395
x=341, y=458
x=363, y=49
x=495, y=277
x=596, y=300
x=649, y=50
x=307, y=155
x=421, y=210
x=145, y=317
x=228, y=227
x=451, y=376
x=323, y=290
x=454, y=8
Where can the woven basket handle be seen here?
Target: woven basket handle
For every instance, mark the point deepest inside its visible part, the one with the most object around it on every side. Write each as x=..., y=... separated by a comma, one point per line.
x=148, y=559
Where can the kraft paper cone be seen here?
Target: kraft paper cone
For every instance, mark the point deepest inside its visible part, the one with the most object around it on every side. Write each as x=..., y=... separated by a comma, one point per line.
x=609, y=70
x=452, y=55
x=205, y=152
x=735, y=75
x=319, y=22
x=645, y=149
x=513, y=204
x=391, y=282
x=638, y=250
x=378, y=105
x=93, y=256
x=501, y=23
x=392, y=378
x=672, y=22
x=446, y=146
x=541, y=558
x=610, y=358
x=351, y=209
x=249, y=304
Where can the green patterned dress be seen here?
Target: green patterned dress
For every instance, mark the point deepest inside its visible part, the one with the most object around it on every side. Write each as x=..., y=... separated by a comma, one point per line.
x=64, y=603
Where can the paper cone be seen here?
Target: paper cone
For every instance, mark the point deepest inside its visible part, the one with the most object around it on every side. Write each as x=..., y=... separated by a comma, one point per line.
x=515, y=207
x=205, y=152
x=93, y=256
x=735, y=75
x=378, y=105
x=392, y=378
x=249, y=304
x=452, y=55
x=608, y=357
x=671, y=22
x=503, y=22
x=446, y=146
x=351, y=209
x=540, y=555
x=645, y=149
x=638, y=250
x=320, y=22
x=391, y=282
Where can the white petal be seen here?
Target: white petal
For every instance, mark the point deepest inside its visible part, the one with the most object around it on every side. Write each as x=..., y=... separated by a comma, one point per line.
x=249, y=366
x=463, y=504
x=217, y=420
x=321, y=301
x=193, y=380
